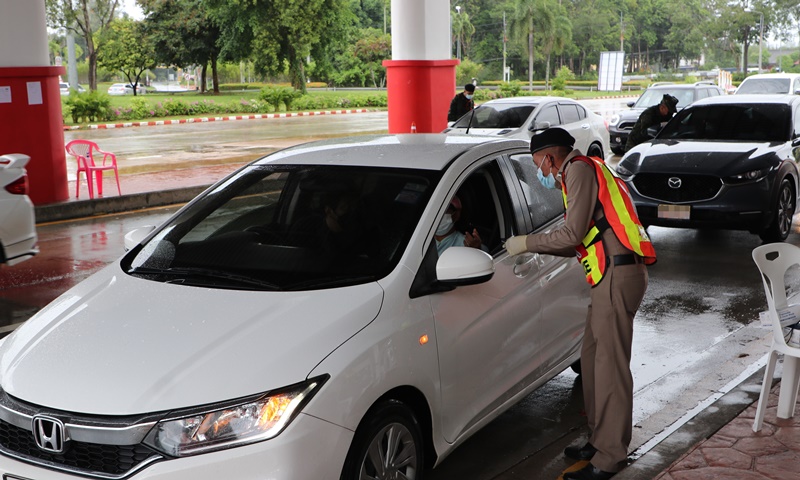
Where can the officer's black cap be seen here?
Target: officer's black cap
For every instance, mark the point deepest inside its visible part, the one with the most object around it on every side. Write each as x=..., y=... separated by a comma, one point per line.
x=469, y=87
x=552, y=137
x=670, y=102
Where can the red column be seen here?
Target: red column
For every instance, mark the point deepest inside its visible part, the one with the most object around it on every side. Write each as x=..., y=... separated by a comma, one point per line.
x=31, y=123
x=419, y=92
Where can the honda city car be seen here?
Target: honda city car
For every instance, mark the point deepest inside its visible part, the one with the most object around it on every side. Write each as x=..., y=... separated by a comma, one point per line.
x=621, y=124
x=523, y=117
x=725, y=162
x=17, y=225
x=296, y=321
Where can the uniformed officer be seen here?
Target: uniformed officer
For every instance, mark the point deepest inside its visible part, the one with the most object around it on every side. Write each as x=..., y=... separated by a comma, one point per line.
x=602, y=227
x=658, y=114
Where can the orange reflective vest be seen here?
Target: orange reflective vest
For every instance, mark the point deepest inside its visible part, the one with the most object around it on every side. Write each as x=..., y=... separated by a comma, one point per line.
x=619, y=215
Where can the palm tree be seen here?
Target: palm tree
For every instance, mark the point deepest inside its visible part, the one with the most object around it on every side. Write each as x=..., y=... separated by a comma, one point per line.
x=462, y=29
x=558, y=35
x=529, y=17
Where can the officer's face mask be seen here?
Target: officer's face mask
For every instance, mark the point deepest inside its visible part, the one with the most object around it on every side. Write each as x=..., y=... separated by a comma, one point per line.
x=445, y=225
x=469, y=96
x=548, y=181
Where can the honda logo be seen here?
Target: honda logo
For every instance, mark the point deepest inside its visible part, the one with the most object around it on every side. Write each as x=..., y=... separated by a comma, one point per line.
x=48, y=433
x=674, y=182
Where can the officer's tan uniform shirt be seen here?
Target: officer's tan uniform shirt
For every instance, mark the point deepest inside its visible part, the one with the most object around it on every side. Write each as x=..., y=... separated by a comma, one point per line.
x=582, y=189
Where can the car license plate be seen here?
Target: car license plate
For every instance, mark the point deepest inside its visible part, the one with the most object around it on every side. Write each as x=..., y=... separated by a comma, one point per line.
x=674, y=212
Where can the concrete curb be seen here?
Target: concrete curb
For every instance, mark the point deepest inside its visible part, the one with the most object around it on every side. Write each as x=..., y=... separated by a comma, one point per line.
x=110, y=205
x=700, y=428
x=214, y=119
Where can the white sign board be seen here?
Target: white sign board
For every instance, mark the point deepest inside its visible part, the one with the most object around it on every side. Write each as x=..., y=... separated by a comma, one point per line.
x=609, y=75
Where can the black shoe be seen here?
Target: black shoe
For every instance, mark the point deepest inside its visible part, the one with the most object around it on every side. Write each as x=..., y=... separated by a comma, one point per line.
x=589, y=472
x=585, y=452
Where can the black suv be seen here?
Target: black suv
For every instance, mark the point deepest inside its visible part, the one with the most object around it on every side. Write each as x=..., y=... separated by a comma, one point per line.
x=621, y=124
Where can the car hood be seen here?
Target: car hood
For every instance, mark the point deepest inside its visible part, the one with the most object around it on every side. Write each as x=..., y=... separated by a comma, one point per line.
x=699, y=157
x=120, y=345
x=631, y=114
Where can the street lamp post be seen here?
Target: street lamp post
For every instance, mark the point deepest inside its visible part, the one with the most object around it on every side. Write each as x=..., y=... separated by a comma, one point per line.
x=458, y=38
x=760, y=40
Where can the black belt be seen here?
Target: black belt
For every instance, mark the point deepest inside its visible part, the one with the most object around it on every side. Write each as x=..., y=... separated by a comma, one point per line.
x=627, y=259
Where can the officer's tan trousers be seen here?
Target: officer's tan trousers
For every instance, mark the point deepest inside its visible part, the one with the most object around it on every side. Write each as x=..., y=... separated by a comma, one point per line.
x=605, y=363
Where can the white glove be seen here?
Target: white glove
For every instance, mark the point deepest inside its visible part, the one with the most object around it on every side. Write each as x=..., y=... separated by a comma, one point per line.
x=516, y=245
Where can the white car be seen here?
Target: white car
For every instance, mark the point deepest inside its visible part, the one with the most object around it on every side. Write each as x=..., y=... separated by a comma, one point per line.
x=17, y=225
x=125, y=89
x=523, y=117
x=770, y=83
x=295, y=321
x=65, y=88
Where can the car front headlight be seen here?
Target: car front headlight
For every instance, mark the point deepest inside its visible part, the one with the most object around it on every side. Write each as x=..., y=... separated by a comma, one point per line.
x=614, y=120
x=248, y=421
x=749, y=176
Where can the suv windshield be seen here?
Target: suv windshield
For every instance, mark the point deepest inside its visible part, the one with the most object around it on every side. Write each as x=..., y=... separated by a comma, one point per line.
x=289, y=228
x=653, y=96
x=498, y=115
x=764, y=85
x=762, y=122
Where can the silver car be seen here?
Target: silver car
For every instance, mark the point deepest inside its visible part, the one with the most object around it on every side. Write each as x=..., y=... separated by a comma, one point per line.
x=523, y=117
x=296, y=321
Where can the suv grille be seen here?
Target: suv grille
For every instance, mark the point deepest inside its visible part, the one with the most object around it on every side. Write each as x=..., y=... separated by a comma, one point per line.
x=79, y=457
x=693, y=188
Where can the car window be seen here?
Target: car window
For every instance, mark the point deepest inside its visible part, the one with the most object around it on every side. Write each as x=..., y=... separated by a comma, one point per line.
x=796, y=132
x=544, y=204
x=653, y=96
x=548, y=114
x=796, y=88
x=701, y=93
x=712, y=92
x=498, y=115
x=569, y=113
x=763, y=122
x=764, y=85
x=290, y=228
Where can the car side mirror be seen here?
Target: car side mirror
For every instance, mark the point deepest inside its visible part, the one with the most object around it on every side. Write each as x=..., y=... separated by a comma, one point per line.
x=135, y=236
x=464, y=266
x=630, y=104
x=539, y=126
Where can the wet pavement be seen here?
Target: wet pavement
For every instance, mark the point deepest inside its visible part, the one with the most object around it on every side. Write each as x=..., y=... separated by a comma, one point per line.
x=708, y=443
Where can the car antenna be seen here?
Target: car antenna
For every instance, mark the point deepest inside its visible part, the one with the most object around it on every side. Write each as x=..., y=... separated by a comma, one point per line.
x=471, y=116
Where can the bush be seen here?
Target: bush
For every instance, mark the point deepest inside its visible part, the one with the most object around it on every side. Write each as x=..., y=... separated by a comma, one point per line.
x=276, y=96
x=89, y=106
x=562, y=76
x=510, y=89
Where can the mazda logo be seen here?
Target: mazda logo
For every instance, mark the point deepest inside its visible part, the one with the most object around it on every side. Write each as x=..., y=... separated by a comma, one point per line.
x=48, y=433
x=674, y=182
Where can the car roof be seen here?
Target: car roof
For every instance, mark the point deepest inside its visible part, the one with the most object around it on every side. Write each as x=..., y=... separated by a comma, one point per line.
x=681, y=86
x=426, y=151
x=528, y=100
x=772, y=75
x=783, y=98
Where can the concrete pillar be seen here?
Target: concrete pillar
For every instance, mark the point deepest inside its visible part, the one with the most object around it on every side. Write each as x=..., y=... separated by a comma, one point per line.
x=30, y=101
x=421, y=77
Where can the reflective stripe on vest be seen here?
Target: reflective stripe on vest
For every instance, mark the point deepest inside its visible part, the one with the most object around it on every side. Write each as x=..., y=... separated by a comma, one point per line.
x=620, y=216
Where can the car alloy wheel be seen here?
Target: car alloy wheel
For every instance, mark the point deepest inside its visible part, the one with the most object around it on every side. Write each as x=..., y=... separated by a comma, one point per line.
x=781, y=226
x=387, y=446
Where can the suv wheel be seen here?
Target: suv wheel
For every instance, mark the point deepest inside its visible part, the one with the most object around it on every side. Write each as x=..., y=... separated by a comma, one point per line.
x=781, y=224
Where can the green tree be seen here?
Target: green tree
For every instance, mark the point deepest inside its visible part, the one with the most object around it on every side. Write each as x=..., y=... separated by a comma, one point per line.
x=530, y=16
x=463, y=30
x=184, y=33
x=555, y=35
x=87, y=18
x=128, y=50
x=372, y=49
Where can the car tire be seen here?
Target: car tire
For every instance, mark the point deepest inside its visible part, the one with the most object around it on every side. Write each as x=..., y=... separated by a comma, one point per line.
x=595, y=151
x=390, y=433
x=781, y=225
x=576, y=366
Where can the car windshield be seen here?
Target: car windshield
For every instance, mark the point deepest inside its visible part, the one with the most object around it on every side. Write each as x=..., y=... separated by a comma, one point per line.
x=289, y=228
x=653, y=96
x=761, y=122
x=497, y=115
x=764, y=85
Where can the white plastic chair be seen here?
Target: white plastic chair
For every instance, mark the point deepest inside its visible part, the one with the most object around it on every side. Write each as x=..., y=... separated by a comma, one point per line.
x=773, y=260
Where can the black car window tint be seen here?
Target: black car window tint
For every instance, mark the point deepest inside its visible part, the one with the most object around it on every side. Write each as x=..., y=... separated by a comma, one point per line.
x=549, y=114
x=544, y=204
x=762, y=122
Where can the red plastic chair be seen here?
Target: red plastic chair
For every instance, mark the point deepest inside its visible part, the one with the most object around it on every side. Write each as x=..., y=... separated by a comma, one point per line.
x=84, y=152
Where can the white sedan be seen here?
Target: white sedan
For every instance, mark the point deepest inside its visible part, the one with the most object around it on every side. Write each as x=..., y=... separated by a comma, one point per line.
x=17, y=226
x=524, y=117
x=125, y=89
x=295, y=321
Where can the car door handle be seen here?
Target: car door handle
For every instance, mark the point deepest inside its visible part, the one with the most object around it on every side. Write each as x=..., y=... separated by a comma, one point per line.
x=585, y=126
x=523, y=264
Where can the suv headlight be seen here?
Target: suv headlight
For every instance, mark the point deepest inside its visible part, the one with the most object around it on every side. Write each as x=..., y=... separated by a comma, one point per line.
x=614, y=120
x=248, y=421
x=749, y=176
